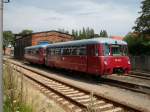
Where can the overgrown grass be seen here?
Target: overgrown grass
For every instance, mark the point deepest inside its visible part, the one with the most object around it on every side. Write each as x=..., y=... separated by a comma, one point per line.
x=19, y=108
x=91, y=106
x=13, y=91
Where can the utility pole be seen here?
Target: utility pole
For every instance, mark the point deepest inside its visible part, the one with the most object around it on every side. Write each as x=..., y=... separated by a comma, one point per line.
x=1, y=53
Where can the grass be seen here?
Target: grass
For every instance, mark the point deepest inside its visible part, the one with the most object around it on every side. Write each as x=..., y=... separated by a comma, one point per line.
x=13, y=91
x=91, y=106
x=18, y=108
x=20, y=95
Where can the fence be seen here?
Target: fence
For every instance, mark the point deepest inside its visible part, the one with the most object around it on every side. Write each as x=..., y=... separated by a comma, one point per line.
x=140, y=62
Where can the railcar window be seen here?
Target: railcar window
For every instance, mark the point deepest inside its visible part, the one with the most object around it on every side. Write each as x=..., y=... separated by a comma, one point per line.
x=57, y=51
x=96, y=51
x=67, y=51
x=124, y=50
x=36, y=51
x=106, y=50
x=52, y=52
x=74, y=51
x=70, y=51
x=116, y=50
x=61, y=51
x=64, y=51
x=82, y=50
x=78, y=51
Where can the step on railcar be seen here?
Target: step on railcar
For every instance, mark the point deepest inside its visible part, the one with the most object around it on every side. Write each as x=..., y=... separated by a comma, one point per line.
x=99, y=56
x=35, y=54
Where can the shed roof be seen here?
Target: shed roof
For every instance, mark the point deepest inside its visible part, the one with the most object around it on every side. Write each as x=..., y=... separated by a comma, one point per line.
x=18, y=36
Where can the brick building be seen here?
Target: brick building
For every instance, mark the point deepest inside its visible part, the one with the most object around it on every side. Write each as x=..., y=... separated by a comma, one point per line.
x=36, y=38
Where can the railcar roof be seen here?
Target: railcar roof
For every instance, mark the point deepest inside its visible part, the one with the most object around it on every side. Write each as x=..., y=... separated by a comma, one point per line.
x=36, y=46
x=99, y=40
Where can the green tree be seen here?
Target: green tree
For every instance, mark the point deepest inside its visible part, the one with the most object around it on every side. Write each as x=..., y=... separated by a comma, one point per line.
x=83, y=33
x=143, y=22
x=80, y=35
x=76, y=34
x=137, y=45
x=92, y=33
x=8, y=39
x=139, y=42
x=73, y=32
x=25, y=32
x=103, y=33
x=87, y=33
x=63, y=31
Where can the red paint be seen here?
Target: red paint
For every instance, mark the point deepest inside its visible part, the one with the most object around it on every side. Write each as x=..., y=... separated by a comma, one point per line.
x=91, y=63
x=38, y=58
x=94, y=61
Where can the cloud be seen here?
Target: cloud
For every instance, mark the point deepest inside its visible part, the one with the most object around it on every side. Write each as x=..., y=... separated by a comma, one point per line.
x=116, y=19
x=34, y=18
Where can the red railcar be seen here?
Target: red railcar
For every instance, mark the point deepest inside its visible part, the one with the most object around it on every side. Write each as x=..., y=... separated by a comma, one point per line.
x=35, y=54
x=99, y=56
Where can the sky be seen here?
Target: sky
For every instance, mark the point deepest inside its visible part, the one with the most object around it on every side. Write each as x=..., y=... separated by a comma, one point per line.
x=117, y=17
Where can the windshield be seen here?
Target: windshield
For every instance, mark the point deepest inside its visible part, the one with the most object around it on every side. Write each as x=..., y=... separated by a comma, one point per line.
x=106, y=50
x=115, y=50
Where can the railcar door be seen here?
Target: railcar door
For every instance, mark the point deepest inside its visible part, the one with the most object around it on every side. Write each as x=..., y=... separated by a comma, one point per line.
x=41, y=55
x=93, y=63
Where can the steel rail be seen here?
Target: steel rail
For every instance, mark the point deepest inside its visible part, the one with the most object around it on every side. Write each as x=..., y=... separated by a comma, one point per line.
x=126, y=85
x=140, y=75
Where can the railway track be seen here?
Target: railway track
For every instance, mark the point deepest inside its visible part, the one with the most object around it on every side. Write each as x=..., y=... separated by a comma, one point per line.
x=73, y=98
x=126, y=85
x=140, y=75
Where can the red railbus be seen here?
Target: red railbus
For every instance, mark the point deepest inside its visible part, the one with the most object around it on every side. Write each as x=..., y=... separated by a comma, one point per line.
x=99, y=56
x=35, y=54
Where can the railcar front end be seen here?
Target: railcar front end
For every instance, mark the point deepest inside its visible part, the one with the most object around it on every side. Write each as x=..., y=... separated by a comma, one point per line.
x=35, y=54
x=115, y=59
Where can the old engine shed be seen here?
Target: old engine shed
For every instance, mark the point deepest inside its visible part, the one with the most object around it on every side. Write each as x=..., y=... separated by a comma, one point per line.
x=37, y=38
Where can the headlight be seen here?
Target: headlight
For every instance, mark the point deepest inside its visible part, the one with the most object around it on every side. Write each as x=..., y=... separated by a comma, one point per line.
x=129, y=62
x=105, y=62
